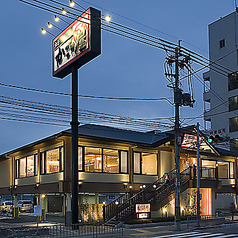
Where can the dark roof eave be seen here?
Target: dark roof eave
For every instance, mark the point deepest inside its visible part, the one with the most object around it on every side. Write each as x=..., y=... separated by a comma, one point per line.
x=6, y=154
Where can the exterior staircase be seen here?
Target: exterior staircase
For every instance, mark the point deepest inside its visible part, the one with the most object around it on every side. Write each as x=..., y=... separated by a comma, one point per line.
x=158, y=194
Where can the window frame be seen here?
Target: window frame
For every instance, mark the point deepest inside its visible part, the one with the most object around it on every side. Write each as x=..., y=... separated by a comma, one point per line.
x=222, y=43
x=18, y=167
x=102, y=154
x=43, y=159
x=141, y=163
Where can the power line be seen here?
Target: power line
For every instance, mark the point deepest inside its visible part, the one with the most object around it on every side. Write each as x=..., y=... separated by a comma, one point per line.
x=84, y=96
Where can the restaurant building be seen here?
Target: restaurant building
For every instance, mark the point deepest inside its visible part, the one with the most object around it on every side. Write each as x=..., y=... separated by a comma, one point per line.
x=117, y=167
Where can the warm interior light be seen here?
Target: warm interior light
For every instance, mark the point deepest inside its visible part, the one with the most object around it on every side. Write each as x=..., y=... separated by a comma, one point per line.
x=108, y=18
x=43, y=31
x=72, y=3
x=64, y=11
x=50, y=25
x=56, y=18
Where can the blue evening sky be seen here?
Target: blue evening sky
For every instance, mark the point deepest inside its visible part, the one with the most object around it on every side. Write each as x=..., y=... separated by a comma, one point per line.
x=124, y=69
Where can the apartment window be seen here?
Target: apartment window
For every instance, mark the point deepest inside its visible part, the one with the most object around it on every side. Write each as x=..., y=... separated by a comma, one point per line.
x=52, y=160
x=145, y=163
x=104, y=160
x=26, y=167
x=233, y=124
x=233, y=81
x=222, y=43
x=233, y=103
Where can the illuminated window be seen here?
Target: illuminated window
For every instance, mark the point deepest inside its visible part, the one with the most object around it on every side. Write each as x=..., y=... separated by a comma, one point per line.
x=145, y=163
x=103, y=160
x=208, y=168
x=232, y=172
x=22, y=168
x=149, y=164
x=30, y=166
x=52, y=161
x=110, y=161
x=137, y=163
x=223, y=169
x=124, y=162
x=26, y=167
x=80, y=158
x=93, y=159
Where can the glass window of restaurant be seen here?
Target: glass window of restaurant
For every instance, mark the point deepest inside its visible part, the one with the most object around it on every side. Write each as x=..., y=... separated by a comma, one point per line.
x=110, y=161
x=26, y=166
x=208, y=168
x=102, y=160
x=145, y=163
x=225, y=169
x=52, y=161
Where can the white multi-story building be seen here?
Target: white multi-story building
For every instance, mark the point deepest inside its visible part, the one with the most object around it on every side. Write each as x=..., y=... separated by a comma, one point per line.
x=221, y=83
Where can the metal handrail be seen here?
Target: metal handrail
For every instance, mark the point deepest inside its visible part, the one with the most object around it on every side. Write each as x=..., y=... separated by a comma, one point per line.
x=154, y=192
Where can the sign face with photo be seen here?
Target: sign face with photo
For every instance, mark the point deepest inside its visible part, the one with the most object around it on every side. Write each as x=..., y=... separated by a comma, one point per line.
x=141, y=208
x=142, y=211
x=79, y=43
x=190, y=141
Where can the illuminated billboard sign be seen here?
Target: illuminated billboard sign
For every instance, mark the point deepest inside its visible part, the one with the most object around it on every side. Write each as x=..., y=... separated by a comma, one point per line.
x=141, y=208
x=142, y=211
x=79, y=43
x=190, y=141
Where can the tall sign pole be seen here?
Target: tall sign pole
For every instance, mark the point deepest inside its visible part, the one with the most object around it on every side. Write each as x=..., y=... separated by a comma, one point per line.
x=177, y=102
x=74, y=145
x=198, y=178
x=74, y=47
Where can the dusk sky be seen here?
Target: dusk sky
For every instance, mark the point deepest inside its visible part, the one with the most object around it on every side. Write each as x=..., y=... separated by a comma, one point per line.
x=125, y=68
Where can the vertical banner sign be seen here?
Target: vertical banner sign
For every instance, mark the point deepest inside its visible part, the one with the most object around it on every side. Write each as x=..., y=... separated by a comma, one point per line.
x=78, y=44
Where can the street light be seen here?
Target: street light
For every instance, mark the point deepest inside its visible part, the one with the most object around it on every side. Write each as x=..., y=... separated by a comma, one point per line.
x=43, y=31
x=72, y=3
x=56, y=18
x=49, y=25
x=107, y=18
x=64, y=11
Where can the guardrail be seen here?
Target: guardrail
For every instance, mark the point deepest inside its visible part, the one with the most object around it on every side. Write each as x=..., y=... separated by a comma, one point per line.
x=76, y=230
x=205, y=221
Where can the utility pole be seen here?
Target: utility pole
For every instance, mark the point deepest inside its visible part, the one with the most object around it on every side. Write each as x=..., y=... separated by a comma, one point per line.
x=177, y=102
x=173, y=64
x=198, y=178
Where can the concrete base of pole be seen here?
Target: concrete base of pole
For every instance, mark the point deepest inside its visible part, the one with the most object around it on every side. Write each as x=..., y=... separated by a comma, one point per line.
x=68, y=220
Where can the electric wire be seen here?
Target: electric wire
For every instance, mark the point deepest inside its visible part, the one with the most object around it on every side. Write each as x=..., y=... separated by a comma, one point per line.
x=219, y=70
